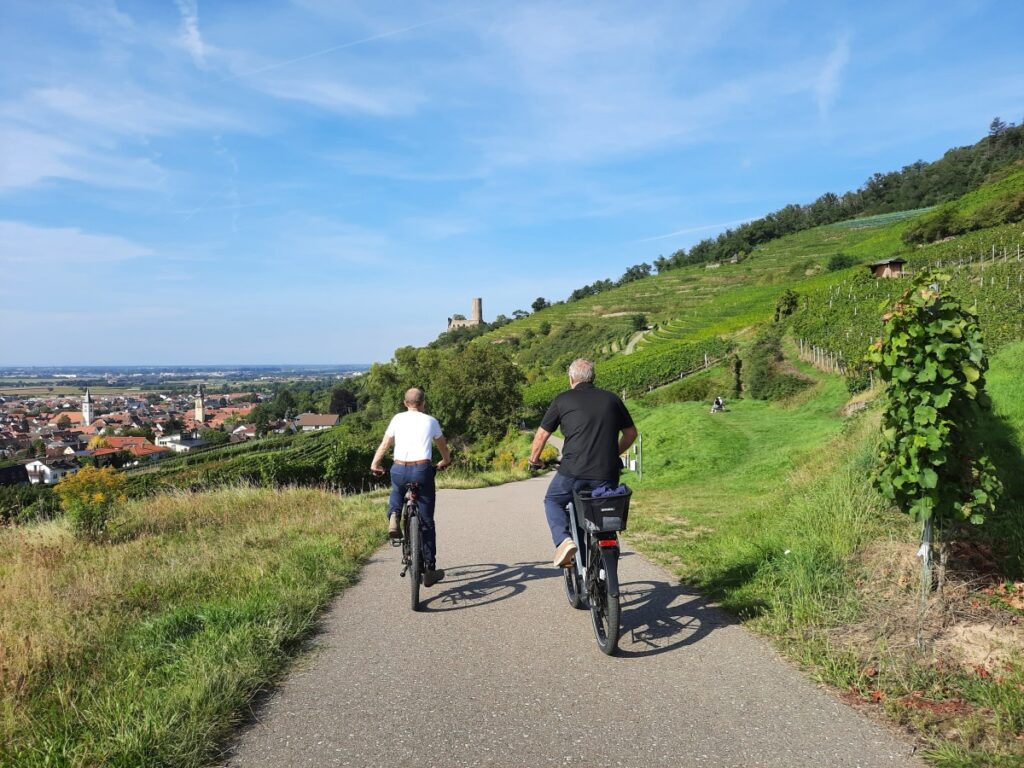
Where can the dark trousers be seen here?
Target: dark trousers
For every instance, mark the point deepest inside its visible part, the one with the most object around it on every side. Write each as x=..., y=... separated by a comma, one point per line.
x=559, y=494
x=423, y=474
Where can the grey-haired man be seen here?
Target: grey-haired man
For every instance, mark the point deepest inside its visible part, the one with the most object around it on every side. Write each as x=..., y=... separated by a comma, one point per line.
x=597, y=429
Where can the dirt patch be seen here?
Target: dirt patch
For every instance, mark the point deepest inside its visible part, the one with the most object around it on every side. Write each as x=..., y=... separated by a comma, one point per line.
x=981, y=645
x=960, y=626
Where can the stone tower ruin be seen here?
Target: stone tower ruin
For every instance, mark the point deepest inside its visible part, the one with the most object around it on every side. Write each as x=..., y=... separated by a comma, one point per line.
x=475, y=318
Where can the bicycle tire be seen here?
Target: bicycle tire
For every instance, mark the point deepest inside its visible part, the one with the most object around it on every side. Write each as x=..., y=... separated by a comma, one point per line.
x=604, y=610
x=573, y=587
x=415, y=561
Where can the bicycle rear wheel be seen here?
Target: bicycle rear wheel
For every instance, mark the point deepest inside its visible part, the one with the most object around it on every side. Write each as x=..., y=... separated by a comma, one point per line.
x=604, y=609
x=415, y=561
x=573, y=587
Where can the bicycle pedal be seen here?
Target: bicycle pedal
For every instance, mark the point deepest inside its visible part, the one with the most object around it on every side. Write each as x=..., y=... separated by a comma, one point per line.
x=396, y=542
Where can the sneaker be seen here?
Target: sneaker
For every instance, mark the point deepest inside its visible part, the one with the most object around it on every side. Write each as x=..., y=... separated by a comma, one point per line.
x=564, y=554
x=432, y=575
x=394, y=531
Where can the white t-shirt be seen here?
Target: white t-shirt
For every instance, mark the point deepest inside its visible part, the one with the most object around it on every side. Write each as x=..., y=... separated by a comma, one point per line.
x=414, y=433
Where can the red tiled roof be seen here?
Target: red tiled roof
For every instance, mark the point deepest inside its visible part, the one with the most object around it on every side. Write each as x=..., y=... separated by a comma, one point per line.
x=125, y=442
x=140, y=451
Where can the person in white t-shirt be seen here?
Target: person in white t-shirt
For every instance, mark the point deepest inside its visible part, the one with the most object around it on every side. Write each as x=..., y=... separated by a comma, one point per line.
x=414, y=434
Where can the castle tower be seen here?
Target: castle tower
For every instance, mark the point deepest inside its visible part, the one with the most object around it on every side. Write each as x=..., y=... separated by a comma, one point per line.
x=200, y=407
x=478, y=312
x=87, y=408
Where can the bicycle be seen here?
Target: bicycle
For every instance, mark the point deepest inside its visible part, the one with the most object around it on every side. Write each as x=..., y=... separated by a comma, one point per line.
x=594, y=575
x=592, y=580
x=411, y=543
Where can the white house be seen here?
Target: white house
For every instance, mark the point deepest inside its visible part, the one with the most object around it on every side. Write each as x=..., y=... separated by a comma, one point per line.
x=311, y=422
x=50, y=471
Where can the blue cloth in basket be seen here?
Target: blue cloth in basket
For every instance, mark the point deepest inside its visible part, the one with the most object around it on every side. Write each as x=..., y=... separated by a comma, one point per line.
x=604, y=490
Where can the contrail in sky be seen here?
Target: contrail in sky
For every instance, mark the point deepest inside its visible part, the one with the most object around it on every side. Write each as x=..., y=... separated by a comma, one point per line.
x=691, y=230
x=342, y=46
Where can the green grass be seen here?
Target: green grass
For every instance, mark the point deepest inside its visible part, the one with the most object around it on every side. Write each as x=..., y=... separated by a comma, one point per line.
x=725, y=466
x=768, y=508
x=147, y=650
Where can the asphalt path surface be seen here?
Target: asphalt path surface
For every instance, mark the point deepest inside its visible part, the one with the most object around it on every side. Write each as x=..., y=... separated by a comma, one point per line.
x=498, y=670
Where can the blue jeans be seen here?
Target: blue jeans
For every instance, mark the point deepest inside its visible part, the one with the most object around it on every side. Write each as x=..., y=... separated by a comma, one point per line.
x=559, y=494
x=423, y=474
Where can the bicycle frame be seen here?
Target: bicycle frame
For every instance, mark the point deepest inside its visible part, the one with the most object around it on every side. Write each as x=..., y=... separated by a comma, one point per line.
x=608, y=546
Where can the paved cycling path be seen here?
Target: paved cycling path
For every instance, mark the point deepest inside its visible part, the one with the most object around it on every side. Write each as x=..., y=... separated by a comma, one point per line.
x=499, y=671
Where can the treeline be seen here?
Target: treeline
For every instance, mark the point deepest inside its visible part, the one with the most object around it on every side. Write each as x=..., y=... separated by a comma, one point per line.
x=918, y=185
x=326, y=396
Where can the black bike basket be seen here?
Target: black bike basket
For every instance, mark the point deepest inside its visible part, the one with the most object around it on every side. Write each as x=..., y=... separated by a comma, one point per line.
x=601, y=514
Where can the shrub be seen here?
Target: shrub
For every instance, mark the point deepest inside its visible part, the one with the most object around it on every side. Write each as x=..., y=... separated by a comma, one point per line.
x=787, y=304
x=764, y=379
x=933, y=358
x=23, y=503
x=858, y=378
x=840, y=261
x=89, y=499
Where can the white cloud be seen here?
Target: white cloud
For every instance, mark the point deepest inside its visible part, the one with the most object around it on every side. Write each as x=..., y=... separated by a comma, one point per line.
x=190, y=38
x=30, y=157
x=50, y=249
x=334, y=95
x=826, y=88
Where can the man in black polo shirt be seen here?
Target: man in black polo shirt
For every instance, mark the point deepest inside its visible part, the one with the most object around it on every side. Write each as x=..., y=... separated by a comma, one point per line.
x=591, y=420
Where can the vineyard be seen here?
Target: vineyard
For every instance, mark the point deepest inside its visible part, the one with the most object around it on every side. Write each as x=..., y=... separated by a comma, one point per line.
x=838, y=321
x=639, y=372
x=337, y=456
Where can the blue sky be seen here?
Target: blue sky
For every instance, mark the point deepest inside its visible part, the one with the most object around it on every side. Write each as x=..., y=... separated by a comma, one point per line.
x=322, y=181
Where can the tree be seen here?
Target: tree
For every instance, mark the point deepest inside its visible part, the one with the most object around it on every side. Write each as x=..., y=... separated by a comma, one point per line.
x=477, y=393
x=636, y=272
x=519, y=314
x=539, y=303
x=996, y=128
x=342, y=401
x=214, y=436
x=38, y=447
x=64, y=421
x=639, y=322
x=544, y=328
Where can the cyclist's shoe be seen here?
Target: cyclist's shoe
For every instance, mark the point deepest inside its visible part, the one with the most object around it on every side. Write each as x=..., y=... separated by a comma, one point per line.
x=432, y=575
x=394, y=532
x=564, y=554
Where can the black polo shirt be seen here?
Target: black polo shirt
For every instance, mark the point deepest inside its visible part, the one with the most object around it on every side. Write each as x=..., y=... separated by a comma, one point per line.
x=591, y=420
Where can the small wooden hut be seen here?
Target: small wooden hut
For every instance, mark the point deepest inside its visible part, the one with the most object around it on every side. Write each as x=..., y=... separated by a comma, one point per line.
x=887, y=267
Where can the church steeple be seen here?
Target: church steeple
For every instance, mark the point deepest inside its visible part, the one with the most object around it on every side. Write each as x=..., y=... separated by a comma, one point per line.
x=87, y=408
x=200, y=407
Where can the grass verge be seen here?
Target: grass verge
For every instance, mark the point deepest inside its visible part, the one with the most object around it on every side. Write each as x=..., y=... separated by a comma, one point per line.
x=147, y=650
x=769, y=509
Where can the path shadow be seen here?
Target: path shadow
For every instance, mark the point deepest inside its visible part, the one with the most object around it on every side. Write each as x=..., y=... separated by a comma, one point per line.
x=471, y=586
x=659, y=617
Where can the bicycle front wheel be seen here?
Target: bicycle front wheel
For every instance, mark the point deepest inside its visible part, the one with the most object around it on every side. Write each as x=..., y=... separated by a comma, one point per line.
x=415, y=561
x=604, y=610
